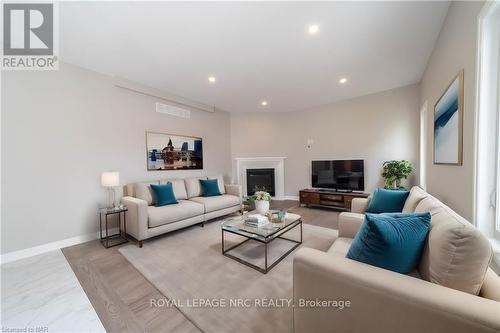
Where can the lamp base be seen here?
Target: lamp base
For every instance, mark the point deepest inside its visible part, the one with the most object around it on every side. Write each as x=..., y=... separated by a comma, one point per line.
x=111, y=198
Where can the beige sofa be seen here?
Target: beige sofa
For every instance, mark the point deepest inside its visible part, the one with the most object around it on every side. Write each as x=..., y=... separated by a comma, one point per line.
x=452, y=289
x=145, y=220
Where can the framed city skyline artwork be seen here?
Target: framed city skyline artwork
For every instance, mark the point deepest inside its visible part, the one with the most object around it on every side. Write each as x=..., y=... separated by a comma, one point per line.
x=173, y=152
x=448, y=124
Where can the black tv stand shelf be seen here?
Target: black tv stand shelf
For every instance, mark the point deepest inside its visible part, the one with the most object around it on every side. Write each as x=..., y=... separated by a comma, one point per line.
x=329, y=198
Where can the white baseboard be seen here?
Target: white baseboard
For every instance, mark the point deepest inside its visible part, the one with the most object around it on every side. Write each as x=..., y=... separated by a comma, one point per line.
x=33, y=251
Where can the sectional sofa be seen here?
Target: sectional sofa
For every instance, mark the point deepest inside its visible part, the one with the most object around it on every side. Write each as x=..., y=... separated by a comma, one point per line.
x=452, y=290
x=145, y=220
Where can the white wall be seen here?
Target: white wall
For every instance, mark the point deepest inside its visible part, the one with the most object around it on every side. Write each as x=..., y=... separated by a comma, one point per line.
x=376, y=128
x=455, y=50
x=61, y=129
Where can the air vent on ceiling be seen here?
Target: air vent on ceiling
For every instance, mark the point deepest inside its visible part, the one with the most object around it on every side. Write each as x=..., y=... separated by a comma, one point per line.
x=173, y=110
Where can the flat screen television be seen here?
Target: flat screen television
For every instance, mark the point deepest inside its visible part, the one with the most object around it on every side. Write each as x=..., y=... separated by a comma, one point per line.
x=344, y=175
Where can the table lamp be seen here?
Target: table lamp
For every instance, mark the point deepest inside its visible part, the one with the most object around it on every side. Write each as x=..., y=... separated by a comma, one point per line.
x=110, y=180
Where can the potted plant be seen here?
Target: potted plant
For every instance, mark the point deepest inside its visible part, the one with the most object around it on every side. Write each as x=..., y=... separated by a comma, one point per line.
x=394, y=172
x=261, y=199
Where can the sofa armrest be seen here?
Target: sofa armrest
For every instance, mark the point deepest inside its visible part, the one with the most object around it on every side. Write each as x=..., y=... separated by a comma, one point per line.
x=381, y=300
x=349, y=224
x=359, y=205
x=234, y=189
x=137, y=217
x=491, y=286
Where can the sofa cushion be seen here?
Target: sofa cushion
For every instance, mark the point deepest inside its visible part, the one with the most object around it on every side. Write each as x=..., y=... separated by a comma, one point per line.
x=209, y=188
x=456, y=255
x=179, y=188
x=391, y=241
x=193, y=187
x=491, y=286
x=220, y=181
x=218, y=202
x=387, y=201
x=416, y=195
x=182, y=210
x=144, y=192
x=428, y=204
x=164, y=194
x=340, y=247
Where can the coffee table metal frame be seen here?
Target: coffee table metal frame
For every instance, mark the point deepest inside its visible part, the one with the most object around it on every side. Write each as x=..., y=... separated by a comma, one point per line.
x=264, y=240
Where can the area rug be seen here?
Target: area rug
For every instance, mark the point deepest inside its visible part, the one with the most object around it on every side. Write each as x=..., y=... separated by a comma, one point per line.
x=217, y=293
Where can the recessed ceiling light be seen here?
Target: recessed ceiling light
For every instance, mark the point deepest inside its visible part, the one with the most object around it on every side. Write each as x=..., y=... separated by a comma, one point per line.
x=313, y=29
x=264, y=103
x=211, y=79
x=343, y=80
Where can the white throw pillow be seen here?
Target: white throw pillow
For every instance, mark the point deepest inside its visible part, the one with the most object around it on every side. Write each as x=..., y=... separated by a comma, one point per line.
x=178, y=186
x=456, y=254
x=193, y=187
x=143, y=191
x=416, y=195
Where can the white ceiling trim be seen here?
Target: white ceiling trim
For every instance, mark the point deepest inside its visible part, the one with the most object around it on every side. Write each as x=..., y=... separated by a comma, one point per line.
x=162, y=95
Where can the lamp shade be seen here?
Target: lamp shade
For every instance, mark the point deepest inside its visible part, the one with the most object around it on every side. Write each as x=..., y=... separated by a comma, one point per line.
x=110, y=179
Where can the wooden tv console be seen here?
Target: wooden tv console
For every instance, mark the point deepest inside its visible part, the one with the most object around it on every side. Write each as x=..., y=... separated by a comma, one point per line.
x=326, y=198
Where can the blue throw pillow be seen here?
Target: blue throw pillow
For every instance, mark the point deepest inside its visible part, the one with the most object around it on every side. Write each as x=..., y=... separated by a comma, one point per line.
x=209, y=187
x=391, y=241
x=387, y=201
x=164, y=194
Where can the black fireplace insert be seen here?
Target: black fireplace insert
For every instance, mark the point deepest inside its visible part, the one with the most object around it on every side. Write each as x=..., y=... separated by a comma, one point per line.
x=260, y=180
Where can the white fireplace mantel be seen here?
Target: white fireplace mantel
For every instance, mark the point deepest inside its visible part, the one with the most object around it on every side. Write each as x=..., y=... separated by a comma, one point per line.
x=241, y=164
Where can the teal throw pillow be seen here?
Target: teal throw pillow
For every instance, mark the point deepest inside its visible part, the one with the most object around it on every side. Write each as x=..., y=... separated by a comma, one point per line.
x=164, y=194
x=391, y=241
x=209, y=187
x=387, y=201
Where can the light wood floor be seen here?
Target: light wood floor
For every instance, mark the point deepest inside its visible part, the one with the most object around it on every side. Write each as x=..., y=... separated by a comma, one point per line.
x=121, y=295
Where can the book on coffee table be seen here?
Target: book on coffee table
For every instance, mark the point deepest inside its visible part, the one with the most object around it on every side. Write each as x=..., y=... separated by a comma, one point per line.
x=256, y=220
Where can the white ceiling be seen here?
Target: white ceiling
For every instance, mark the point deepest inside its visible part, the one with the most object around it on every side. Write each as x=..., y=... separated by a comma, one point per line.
x=256, y=50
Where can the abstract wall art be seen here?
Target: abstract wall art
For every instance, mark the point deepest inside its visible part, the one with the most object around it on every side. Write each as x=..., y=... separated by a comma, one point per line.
x=448, y=124
x=173, y=152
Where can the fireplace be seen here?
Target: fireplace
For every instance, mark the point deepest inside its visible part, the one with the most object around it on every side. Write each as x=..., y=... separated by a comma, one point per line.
x=260, y=180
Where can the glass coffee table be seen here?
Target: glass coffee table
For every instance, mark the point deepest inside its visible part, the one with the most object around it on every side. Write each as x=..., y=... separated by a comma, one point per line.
x=264, y=234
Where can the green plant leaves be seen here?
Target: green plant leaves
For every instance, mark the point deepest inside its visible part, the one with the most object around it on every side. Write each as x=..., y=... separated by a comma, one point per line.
x=394, y=171
x=261, y=195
